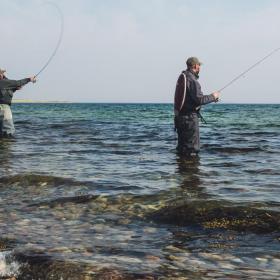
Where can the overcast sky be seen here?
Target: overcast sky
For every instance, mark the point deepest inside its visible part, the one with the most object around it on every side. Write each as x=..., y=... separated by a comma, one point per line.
x=134, y=50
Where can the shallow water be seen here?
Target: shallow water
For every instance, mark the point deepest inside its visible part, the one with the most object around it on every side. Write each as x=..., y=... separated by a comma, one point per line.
x=97, y=190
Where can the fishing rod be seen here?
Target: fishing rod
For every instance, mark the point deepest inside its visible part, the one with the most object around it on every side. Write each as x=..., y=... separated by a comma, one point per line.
x=249, y=69
x=56, y=47
x=59, y=39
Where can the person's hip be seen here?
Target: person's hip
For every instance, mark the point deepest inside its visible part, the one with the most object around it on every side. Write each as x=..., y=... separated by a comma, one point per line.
x=5, y=112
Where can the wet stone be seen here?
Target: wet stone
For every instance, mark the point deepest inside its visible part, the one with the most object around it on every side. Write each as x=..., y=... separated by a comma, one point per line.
x=217, y=214
x=6, y=243
x=153, y=258
x=174, y=249
x=124, y=221
x=43, y=267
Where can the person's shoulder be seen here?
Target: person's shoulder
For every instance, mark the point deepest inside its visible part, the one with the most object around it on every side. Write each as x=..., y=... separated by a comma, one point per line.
x=2, y=82
x=5, y=80
x=189, y=75
x=191, y=79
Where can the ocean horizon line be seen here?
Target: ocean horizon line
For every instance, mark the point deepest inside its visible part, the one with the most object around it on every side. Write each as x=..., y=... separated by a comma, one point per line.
x=128, y=103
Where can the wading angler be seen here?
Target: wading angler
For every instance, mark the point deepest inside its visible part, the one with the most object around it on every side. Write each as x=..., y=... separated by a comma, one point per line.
x=188, y=101
x=7, y=89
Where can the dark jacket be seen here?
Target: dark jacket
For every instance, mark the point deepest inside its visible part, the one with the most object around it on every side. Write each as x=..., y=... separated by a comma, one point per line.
x=8, y=87
x=194, y=96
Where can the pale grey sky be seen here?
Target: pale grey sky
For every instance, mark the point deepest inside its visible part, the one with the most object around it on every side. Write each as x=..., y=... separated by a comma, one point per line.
x=134, y=50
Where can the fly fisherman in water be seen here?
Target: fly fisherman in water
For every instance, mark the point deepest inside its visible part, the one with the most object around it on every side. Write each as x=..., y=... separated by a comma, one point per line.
x=188, y=100
x=7, y=89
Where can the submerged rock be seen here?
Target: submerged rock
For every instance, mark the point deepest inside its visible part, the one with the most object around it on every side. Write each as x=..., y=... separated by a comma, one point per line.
x=6, y=244
x=40, y=266
x=215, y=214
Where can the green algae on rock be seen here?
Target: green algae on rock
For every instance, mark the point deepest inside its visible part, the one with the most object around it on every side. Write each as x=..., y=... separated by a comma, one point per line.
x=219, y=215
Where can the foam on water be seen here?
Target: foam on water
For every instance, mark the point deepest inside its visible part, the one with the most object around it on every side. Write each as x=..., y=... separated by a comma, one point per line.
x=8, y=266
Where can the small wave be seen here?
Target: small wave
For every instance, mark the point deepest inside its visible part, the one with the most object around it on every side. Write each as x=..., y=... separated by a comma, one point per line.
x=235, y=150
x=40, y=180
x=87, y=152
x=125, y=152
x=24, y=122
x=254, y=133
x=263, y=171
x=224, y=164
x=63, y=200
x=71, y=128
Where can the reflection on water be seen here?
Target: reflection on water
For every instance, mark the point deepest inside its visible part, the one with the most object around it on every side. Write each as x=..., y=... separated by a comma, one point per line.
x=188, y=169
x=5, y=155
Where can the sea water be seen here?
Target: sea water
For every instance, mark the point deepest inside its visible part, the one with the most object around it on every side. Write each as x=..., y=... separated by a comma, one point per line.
x=98, y=190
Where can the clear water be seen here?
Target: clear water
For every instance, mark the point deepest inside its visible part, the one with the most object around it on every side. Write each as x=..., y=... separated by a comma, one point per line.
x=83, y=184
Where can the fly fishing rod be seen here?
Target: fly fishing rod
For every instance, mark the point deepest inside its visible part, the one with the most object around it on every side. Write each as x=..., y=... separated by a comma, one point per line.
x=249, y=69
x=59, y=39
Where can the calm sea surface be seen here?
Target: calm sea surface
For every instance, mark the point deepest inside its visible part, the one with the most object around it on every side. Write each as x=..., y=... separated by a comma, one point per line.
x=89, y=191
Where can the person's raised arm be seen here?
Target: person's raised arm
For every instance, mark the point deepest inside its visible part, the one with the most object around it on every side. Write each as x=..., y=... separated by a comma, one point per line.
x=198, y=97
x=14, y=84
